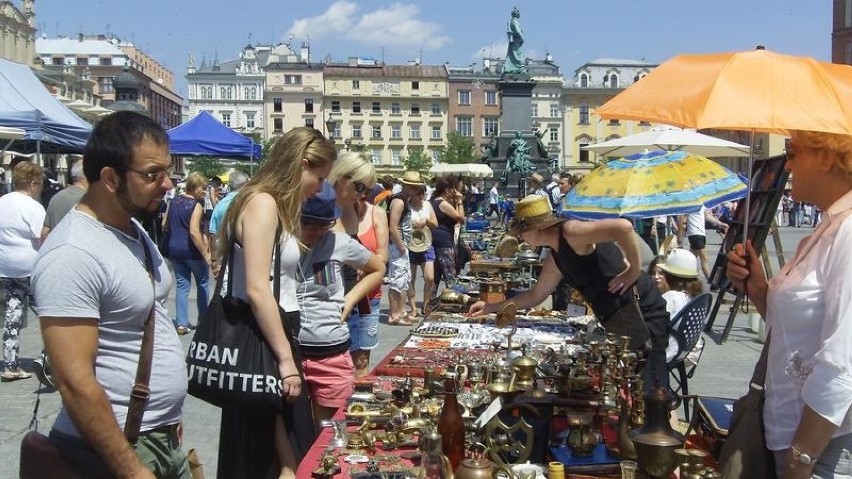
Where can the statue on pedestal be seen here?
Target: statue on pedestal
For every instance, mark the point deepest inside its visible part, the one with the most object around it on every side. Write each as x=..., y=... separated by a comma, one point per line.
x=489, y=151
x=515, y=58
x=517, y=158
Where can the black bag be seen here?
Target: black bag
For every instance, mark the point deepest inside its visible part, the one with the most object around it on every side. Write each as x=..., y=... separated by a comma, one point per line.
x=229, y=363
x=744, y=454
x=628, y=321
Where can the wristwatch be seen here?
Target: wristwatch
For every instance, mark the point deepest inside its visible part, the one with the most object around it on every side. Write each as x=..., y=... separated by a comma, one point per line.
x=802, y=457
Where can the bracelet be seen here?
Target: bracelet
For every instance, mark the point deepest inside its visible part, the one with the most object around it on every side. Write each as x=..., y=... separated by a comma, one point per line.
x=292, y=376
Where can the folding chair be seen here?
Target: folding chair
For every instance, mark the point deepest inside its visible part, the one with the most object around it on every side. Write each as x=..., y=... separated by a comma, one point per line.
x=687, y=326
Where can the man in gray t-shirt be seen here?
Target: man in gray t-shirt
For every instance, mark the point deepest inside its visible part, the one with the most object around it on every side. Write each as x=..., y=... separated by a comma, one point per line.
x=62, y=202
x=94, y=294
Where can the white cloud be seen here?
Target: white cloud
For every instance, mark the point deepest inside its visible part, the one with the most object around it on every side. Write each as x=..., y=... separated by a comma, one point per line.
x=398, y=25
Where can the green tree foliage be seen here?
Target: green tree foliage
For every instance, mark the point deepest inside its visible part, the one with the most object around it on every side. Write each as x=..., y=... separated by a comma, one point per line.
x=417, y=160
x=459, y=149
x=207, y=166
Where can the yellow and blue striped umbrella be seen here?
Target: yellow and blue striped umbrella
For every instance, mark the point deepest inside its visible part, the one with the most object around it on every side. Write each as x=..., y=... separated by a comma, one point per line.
x=651, y=184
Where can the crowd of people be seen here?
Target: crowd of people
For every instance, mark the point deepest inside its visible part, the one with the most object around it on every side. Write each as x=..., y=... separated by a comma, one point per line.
x=336, y=233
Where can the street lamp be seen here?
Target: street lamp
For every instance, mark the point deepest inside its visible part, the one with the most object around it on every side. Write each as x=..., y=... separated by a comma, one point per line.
x=330, y=125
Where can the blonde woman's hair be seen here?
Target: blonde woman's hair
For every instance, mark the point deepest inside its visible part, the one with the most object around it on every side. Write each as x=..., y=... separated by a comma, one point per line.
x=195, y=180
x=839, y=146
x=354, y=166
x=26, y=172
x=280, y=176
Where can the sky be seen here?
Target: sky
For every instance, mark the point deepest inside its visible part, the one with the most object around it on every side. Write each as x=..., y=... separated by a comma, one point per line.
x=437, y=31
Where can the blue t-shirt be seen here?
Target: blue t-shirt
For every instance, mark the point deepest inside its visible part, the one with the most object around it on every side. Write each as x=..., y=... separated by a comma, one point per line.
x=219, y=212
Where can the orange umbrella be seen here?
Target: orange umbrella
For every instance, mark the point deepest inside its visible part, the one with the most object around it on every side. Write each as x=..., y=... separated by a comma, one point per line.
x=756, y=90
x=753, y=91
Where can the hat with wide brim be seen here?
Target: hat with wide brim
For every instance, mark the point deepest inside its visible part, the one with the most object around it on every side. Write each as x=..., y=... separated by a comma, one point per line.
x=322, y=208
x=681, y=263
x=412, y=178
x=533, y=213
x=421, y=240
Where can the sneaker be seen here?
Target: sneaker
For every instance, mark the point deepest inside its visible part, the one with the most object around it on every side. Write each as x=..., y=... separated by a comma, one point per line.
x=181, y=330
x=42, y=371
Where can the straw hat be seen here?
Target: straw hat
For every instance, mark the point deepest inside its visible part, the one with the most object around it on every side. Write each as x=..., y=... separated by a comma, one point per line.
x=421, y=240
x=533, y=213
x=681, y=263
x=537, y=178
x=412, y=178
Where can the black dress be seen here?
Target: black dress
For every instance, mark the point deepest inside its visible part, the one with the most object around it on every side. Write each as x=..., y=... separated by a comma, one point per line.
x=590, y=275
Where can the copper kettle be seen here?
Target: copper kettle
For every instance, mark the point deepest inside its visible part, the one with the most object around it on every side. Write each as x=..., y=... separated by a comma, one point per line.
x=479, y=468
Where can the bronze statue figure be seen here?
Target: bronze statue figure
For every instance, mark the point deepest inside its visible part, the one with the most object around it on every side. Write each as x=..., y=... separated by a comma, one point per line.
x=515, y=59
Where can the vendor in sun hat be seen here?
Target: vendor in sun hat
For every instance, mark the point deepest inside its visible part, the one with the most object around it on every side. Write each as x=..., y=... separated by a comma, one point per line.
x=605, y=273
x=676, y=276
x=324, y=337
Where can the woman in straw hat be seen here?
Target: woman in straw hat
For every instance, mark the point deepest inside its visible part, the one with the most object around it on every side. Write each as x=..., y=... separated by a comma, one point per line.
x=421, y=253
x=353, y=177
x=676, y=276
x=808, y=308
x=585, y=254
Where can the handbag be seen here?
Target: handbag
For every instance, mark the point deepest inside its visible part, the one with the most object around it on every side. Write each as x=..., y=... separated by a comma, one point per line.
x=45, y=458
x=629, y=321
x=229, y=363
x=744, y=454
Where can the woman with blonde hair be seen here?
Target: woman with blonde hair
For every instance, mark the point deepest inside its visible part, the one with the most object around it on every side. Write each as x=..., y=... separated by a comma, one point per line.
x=423, y=221
x=188, y=249
x=253, y=445
x=807, y=307
x=353, y=177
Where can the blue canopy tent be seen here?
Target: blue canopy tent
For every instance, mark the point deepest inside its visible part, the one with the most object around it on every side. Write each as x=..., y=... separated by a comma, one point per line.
x=207, y=136
x=25, y=103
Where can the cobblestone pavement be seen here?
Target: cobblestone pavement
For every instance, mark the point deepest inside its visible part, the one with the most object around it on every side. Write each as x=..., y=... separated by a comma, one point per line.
x=724, y=370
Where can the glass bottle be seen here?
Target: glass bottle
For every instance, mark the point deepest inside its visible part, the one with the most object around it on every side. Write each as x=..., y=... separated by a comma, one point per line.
x=451, y=425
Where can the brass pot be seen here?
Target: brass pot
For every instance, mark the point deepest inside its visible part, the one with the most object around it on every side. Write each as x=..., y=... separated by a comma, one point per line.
x=479, y=469
x=524, y=367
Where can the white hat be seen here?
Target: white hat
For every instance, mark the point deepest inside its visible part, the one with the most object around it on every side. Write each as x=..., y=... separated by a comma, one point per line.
x=681, y=263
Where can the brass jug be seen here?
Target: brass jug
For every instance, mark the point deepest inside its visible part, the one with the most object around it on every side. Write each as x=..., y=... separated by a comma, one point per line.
x=656, y=441
x=479, y=468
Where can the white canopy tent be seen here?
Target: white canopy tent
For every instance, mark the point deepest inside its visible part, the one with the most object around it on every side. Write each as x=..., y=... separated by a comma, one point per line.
x=474, y=170
x=669, y=138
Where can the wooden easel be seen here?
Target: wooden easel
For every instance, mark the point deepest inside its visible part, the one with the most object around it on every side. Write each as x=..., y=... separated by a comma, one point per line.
x=769, y=179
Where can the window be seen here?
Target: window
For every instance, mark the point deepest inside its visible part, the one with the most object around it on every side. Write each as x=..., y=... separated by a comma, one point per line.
x=491, y=97
x=83, y=61
x=356, y=84
x=464, y=97
x=614, y=122
x=395, y=154
x=554, y=110
x=396, y=131
x=226, y=92
x=250, y=119
x=534, y=110
x=335, y=106
x=376, y=155
x=464, y=125
x=436, y=108
x=554, y=134
x=436, y=155
x=292, y=79
x=250, y=93
x=415, y=108
x=584, y=153
x=644, y=123
x=490, y=126
x=277, y=105
x=613, y=81
x=309, y=122
x=226, y=119
x=584, y=115
x=309, y=105
x=356, y=107
x=356, y=131
x=584, y=80
x=105, y=62
x=105, y=86
x=415, y=132
x=436, y=132
x=277, y=125
x=377, y=131
x=395, y=108
x=377, y=108
x=415, y=85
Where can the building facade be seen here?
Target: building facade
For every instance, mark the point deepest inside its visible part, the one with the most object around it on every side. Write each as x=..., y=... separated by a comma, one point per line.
x=548, y=108
x=103, y=58
x=387, y=111
x=841, y=32
x=17, y=32
x=293, y=92
x=474, y=102
x=592, y=85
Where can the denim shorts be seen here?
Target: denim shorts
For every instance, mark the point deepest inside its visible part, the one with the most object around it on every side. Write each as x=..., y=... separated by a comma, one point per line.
x=364, y=328
x=422, y=257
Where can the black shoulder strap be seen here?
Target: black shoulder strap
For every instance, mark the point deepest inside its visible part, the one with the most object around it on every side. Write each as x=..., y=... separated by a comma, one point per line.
x=228, y=259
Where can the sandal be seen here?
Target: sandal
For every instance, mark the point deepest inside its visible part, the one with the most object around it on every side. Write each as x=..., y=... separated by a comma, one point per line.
x=14, y=376
x=401, y=321
x=181, y=330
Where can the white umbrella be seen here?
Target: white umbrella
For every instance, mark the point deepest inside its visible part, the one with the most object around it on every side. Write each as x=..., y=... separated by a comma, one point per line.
x=475, y=170
x=669, y=138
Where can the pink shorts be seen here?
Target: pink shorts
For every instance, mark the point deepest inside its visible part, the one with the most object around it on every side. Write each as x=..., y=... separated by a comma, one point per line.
x=330, y=380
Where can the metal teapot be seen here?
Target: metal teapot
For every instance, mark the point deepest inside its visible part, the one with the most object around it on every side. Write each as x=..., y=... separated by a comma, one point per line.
x=478, y=467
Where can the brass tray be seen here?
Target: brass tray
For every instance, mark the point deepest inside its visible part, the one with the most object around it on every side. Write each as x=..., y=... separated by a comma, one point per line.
x=436, y=332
